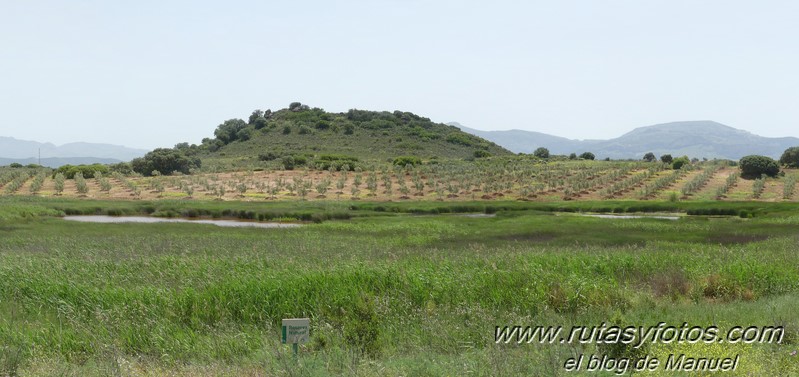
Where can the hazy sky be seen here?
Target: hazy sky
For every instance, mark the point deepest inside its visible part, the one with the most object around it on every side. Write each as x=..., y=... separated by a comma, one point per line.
x=154, y=73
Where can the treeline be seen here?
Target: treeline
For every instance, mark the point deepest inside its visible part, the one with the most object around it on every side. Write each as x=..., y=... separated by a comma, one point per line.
x=752, y=166
x=182, y=159
x=161, y=161
x=87, y=171
x=331, y=162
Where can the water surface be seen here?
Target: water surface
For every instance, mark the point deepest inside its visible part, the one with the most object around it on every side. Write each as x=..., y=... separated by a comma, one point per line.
x=604, y=216
x=150, y=220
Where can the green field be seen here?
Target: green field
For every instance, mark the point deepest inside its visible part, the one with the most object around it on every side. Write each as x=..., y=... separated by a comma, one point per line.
x=390, y=288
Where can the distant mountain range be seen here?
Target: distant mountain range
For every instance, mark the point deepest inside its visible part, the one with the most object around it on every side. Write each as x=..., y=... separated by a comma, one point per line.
x=27, y=152
x=692, y=138
x=701, y=139
x=55, y=162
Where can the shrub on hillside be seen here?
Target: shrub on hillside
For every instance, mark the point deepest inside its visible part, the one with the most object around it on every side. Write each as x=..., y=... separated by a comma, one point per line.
x=481, y=153
x=336, y=161
x=268, y=156
x=337, y=157
x=462, y=139
x=228, y=131
x=300, y=160
x=257, y=113
x=322, y=125
x=297, y=106
x=288, y=162
x=260, y=123
x=212, y=145
x=245, y=134
x=407, y=160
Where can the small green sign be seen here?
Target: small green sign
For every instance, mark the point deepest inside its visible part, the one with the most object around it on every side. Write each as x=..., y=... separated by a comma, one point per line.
x=295, y=330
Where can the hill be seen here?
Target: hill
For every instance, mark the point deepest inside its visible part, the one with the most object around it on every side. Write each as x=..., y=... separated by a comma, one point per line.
x=692, y=138
x=363, y=135
x=55, y=162
x=521, y=141
x=11, y=148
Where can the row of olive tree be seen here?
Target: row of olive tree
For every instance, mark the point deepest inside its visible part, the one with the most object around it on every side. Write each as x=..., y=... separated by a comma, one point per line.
x=543, y=153
x=752, y=166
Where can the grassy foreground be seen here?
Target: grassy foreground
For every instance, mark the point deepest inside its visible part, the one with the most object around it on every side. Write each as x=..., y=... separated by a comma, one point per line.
x=395, y=294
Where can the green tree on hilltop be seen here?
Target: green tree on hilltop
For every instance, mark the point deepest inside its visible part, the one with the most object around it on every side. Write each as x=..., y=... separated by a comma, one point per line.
x=255, y=115
x=229, y=130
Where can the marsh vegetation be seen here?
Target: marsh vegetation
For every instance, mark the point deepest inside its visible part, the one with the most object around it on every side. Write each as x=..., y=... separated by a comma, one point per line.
x=387, y=292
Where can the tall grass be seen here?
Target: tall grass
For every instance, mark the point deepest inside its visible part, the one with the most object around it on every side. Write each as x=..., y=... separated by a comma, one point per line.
x=377, y=289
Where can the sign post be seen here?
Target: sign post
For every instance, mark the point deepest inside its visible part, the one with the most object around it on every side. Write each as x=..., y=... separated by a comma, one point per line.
x=295, y=331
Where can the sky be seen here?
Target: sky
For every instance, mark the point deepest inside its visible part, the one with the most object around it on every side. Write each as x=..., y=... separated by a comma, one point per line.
x=151, y=74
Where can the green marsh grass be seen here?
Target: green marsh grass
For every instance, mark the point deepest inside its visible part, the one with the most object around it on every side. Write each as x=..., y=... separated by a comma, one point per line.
x=387, y=291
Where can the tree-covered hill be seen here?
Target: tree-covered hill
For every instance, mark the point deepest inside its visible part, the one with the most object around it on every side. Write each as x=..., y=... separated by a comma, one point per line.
x=312, y=133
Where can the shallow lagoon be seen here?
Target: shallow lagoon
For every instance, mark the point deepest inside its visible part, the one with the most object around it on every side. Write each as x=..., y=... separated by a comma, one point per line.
x=150, y=220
